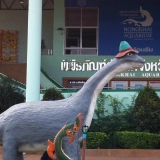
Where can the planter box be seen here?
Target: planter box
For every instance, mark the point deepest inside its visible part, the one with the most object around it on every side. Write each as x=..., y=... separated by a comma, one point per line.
x=114, y=153
x=122, y=153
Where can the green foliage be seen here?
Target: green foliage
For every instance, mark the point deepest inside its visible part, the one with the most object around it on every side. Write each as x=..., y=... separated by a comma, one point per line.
x=100, y=110
x=146, y=111
x=116, y=121
x=96, y=139
x=52, y=94
x=111, y=122
x=117, y=105
x=143, y=115
x=10, y=94
x=127, y=115
x=136, y=140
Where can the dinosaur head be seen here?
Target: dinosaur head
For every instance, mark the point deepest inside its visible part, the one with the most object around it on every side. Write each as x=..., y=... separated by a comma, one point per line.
x=130, y=61
x=127, y=58
x=125, y=48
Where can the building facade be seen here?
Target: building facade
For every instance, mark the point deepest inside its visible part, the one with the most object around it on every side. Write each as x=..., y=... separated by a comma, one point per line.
x=80, y=36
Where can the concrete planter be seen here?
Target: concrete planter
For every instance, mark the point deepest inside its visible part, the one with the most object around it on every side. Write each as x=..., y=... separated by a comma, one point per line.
x=107, y=154
x=122, y=153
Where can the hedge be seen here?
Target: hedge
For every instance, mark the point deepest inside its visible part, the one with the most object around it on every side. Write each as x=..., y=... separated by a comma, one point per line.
x=96, y=140
x=136, y=140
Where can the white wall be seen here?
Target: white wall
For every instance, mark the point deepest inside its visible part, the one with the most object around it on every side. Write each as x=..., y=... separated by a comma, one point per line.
x=18, y=20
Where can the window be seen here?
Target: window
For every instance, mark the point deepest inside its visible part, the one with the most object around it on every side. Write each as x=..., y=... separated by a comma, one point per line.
x=81, y=26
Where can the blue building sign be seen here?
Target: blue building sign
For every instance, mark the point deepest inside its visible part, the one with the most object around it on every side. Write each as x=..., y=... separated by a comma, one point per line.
x=135, y=21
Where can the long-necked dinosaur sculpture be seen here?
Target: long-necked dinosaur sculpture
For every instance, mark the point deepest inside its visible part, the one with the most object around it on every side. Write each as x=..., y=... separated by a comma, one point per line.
x=27, y=126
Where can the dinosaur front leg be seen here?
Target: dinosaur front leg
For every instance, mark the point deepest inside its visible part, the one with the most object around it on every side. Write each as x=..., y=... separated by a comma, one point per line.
x=10, y=150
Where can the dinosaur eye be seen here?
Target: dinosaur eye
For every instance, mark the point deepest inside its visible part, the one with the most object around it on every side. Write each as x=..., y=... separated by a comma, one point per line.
x=129, y=54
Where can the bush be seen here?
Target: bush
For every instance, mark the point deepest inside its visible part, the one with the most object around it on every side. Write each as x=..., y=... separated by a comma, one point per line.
x=100, y=110
x=118, y=120
x=10, y=94
x=96, y=140
x=52, y=94
x=136, y=140
x=146, y=111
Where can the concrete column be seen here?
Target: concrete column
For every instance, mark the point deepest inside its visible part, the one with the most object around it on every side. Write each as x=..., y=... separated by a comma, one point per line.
x=34, y=50
x=59, y=19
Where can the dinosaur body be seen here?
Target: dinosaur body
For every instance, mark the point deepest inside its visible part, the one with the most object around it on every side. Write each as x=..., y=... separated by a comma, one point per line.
x=27, y=126
x=55, y=149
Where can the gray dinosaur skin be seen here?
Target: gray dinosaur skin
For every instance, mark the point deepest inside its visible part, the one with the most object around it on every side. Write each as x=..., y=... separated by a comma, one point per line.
x=27, y=126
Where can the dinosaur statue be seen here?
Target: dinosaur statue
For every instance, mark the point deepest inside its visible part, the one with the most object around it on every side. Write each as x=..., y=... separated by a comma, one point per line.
x=55, y=149
x=27, y=126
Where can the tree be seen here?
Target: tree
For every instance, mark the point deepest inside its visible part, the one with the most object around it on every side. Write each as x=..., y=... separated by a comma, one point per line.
x=97, y=124
x=52, y=94
x=109, y=122
x=10, y=94
x=146, y=111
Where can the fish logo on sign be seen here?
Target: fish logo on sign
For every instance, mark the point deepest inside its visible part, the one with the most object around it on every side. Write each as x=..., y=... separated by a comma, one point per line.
x=81, y=2
x=144, y=14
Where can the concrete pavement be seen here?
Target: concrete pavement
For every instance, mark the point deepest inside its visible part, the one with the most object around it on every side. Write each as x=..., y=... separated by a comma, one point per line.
x=108, y=154
x=37, y=157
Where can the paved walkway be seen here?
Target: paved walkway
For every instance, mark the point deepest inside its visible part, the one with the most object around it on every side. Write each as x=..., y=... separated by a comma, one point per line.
x=107, y=155
x=38, y=156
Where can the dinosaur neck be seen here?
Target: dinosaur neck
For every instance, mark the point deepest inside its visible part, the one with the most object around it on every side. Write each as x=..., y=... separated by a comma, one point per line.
x=89, y=92
x=96, y=83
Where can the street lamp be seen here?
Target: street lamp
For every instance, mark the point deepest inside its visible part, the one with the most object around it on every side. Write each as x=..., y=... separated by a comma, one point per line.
x=84, y=130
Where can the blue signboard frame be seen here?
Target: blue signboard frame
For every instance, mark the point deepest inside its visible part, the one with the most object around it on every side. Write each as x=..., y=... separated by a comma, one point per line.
x=135, y=21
